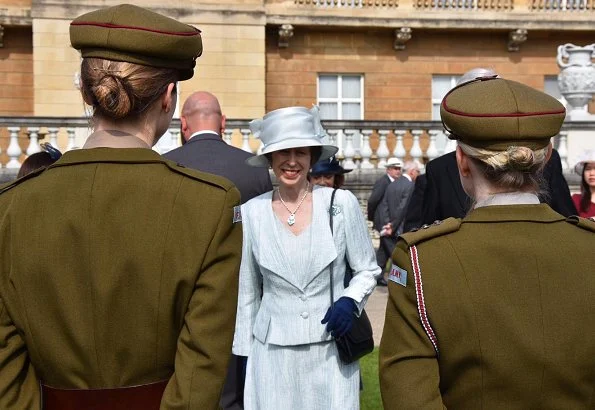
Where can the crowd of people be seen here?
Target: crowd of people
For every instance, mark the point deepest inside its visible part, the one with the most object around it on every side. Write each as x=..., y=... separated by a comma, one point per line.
x=187, y=281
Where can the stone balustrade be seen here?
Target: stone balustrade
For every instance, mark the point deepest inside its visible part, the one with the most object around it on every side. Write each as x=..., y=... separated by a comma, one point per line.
x=363, y=145
x=517, y=17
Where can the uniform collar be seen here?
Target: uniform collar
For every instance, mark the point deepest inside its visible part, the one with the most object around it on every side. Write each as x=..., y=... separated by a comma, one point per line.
x=114, y=139
x=122, y=155
x=509, y=198
x=511, y=213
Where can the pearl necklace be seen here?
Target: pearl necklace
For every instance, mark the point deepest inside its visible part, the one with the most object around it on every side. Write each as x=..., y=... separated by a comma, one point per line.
x=291, y=219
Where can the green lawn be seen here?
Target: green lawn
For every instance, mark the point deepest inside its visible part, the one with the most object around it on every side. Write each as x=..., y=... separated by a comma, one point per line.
x=370, y=397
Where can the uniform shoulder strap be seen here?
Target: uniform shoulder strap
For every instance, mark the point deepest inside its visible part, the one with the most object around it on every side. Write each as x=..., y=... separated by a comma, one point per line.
x=585, y=223
x=426, y=232
x=17, y=182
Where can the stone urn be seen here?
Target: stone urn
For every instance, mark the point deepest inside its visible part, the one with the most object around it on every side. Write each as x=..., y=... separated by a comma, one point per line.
x=577, y=74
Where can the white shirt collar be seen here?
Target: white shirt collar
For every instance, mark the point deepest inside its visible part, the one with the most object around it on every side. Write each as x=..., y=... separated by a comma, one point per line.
x=509, y=198
x=408, y=177
x=203, y=132
x=391, y=179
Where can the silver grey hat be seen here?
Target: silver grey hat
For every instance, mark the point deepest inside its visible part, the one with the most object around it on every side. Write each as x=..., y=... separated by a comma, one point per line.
x=290, y=127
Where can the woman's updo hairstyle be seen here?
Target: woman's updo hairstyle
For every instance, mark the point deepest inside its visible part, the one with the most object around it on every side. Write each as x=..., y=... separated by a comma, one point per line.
x=517, y=168
x=119, y=89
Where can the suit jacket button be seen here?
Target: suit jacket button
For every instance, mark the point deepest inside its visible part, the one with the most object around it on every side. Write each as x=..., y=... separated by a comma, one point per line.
x=305, y=315
x=303, y=297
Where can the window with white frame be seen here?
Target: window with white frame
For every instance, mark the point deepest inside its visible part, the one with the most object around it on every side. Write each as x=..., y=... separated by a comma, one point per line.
x=441, y=85
x=550, y=87
x=341, y=96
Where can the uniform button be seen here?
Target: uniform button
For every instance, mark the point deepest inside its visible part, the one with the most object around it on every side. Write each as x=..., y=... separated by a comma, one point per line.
x=425, y=226
x=303, y=297
x=305, y=315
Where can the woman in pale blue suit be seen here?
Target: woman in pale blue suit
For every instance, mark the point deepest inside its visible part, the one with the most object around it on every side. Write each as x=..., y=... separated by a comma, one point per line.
x=284, y=324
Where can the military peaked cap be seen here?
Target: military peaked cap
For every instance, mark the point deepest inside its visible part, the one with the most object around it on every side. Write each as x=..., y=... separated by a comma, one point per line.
x=136, y=35
x=495, y=113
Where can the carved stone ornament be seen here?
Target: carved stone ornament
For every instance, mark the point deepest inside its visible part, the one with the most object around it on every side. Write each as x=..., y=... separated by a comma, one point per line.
x=402, y=35
x=577, y=75
x=516, y=38
x=285, y=33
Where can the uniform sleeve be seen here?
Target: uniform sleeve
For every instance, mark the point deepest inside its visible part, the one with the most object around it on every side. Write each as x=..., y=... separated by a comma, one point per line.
x=19, y=386
x=204, y=343
x=249, y=296
x=359, y=252
x=409, y=376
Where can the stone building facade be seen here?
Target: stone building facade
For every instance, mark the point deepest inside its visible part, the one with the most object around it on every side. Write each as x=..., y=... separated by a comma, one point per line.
x=260, y=55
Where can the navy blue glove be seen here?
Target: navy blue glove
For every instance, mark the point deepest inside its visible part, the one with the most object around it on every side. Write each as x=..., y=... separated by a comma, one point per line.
x=340, y=317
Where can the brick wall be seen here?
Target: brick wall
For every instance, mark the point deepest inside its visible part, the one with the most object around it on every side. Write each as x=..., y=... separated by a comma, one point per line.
x=398, y=83
x=232, y=67
x=16, y=72
x=55, y=65
x=16, y=78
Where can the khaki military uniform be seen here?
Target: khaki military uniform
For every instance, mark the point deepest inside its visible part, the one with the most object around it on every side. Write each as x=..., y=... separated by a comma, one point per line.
x=117, y=268
x=495, y=311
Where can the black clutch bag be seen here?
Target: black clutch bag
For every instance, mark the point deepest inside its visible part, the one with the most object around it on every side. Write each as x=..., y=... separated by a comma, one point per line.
x=359, y=341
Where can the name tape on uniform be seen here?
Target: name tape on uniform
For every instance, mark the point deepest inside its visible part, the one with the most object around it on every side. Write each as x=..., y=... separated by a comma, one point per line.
x=398, y=275
x=237, y=214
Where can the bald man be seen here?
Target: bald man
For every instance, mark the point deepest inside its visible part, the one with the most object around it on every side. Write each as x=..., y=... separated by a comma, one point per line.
x=202, y=125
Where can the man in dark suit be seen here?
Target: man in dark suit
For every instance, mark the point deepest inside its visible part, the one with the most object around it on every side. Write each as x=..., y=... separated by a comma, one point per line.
x=390, y=215
x=202, y=126
x=444, y=196
x=393, y=171
x=414, y=208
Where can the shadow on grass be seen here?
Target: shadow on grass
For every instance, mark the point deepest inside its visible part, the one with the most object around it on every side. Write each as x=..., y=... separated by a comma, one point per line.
x=370, y=396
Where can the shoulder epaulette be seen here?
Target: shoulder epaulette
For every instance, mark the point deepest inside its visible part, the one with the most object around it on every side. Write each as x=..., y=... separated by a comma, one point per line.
x=199, y=175
x=585, y=223
x=16, y=182
x=426, y=232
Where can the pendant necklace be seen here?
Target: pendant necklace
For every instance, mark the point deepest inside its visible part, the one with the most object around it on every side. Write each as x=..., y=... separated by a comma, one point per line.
x=291, y=219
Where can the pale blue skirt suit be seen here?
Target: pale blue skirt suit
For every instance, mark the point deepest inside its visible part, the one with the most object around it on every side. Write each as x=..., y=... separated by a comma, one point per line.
x=293, y=362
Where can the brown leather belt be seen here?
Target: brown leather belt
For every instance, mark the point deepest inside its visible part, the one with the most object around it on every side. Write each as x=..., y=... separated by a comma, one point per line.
x=145, y=397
